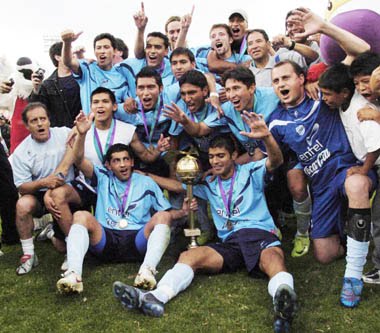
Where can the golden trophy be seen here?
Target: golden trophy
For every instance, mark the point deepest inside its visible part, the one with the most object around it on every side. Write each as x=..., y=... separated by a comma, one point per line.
x=188, y=172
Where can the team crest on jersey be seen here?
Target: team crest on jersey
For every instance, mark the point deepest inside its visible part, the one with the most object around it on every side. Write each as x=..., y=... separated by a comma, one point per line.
x=300, y=130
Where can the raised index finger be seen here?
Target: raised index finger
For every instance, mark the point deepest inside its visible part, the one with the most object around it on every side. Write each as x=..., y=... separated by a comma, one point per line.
x=142, y=7
x=192, y=10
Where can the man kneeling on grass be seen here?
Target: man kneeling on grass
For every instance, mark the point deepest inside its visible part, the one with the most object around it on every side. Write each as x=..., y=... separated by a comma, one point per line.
x=123, y=228
x=246, y=230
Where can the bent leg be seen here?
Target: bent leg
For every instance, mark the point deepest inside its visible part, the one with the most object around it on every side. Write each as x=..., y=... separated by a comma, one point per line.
x=327, y=249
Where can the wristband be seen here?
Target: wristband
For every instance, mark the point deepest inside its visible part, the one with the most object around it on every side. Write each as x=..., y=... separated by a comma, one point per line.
x=291, y=47
x=214, y=94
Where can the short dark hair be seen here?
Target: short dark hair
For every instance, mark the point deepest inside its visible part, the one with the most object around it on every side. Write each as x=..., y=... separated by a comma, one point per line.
x=260, y=31
x=297, y=68
x=170, y=20
x=55, y=49
x=158, y=34
x=223, y=141
x=222, y=25
x=240, y=73
x=121, y=46
x=365, y=63
x=149, y=72
x=194, y=77
x=108, y=36
x=182, y=51
x=336, y=78
x=30, y=107
x=117, y=148
x=101, y=90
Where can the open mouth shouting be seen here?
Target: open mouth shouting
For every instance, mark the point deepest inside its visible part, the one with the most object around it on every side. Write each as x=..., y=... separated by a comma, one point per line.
x=152, y=59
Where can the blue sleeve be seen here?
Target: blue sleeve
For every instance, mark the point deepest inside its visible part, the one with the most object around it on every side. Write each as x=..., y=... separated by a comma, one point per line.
x=159, y=201
x=199, y=190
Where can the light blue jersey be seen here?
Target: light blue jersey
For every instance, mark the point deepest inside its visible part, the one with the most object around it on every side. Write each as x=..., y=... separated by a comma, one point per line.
x=91, y=76
x=248, y=208
x=265, y=102
x=156, y=122
x=144, y=195
x=138, y=64
x=201, y=142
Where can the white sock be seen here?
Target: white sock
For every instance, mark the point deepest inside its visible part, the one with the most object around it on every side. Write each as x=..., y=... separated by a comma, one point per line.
x=279, y=279
x=27, y=246
x=173, y=282
x=78, y=241
x=157, y=243
x=303, y=215
x=355, y=258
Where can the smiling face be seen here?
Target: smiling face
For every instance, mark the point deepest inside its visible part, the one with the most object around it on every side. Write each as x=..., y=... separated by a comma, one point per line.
x=238, y=26
x=103, y=108
x=173, y=31
x=239, y=94
x=155, y=51
x=222, y=162
x=288, y=85
x=293, y=28
x=193, y=96
x=147, y=90
x=258, y=48
x=221, y=42
x=121, y=165
x=104, y=53
x=180, y=64
x=38, y=124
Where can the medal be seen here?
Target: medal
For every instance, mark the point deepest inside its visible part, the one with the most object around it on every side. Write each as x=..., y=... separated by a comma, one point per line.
x=123, y=223
x=122, y=204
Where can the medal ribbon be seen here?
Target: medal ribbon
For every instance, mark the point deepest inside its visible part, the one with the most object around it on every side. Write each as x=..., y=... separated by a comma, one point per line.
x=121, y=204
x=156, y=117
x=243, y=47
x=227, y=202
x=109, y=141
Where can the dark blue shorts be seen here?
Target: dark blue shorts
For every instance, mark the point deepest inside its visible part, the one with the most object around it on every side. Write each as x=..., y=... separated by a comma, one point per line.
x=120, y=245
x=329, y=204
x=87, y=197
x=243, y=249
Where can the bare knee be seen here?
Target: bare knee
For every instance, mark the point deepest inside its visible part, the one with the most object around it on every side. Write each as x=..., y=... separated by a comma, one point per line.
x=357, y=186
x=59, y=195
x=297, y=185
x=161, y=217
x=328, y=249
x=82, y=217
x=25, y=205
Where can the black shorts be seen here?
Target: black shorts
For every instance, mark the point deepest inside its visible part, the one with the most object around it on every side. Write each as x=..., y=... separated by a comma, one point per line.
x=243, y=249
x=41, y=209
x=120, y=246
x=87, y=197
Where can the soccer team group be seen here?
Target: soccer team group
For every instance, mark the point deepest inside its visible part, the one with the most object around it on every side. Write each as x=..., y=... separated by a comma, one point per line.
x=254, y=114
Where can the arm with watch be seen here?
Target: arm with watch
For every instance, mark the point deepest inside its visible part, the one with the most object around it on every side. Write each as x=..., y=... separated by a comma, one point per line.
x=304, y=50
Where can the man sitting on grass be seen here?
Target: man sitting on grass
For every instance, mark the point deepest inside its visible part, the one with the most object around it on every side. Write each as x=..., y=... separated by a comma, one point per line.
x=245, y=228
x=123, y=228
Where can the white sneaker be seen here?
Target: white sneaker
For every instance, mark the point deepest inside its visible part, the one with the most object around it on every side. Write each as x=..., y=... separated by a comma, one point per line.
x=145, y=278
x=1, y=253
x=46, y=233
x=65, y=265
x=28, y=261
x=42, y=222
x=70, y=283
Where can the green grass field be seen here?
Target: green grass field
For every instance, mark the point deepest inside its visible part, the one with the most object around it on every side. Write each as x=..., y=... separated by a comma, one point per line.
x=213, y=303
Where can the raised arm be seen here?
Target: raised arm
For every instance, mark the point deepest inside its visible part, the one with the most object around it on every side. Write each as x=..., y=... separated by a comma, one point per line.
x=83, y=124
x=306, y=51
x=260, y=131
x=141, y=21
x=68, y=37
x=185, y=25
x=175, y=113
x=350, y=43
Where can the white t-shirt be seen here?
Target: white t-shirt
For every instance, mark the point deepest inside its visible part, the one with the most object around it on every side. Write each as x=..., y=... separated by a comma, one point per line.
x=364, y=137
x=34, y=160
x=123, y=134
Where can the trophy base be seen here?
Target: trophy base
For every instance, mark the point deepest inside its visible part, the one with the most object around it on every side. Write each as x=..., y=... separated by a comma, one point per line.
x=192, y=232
